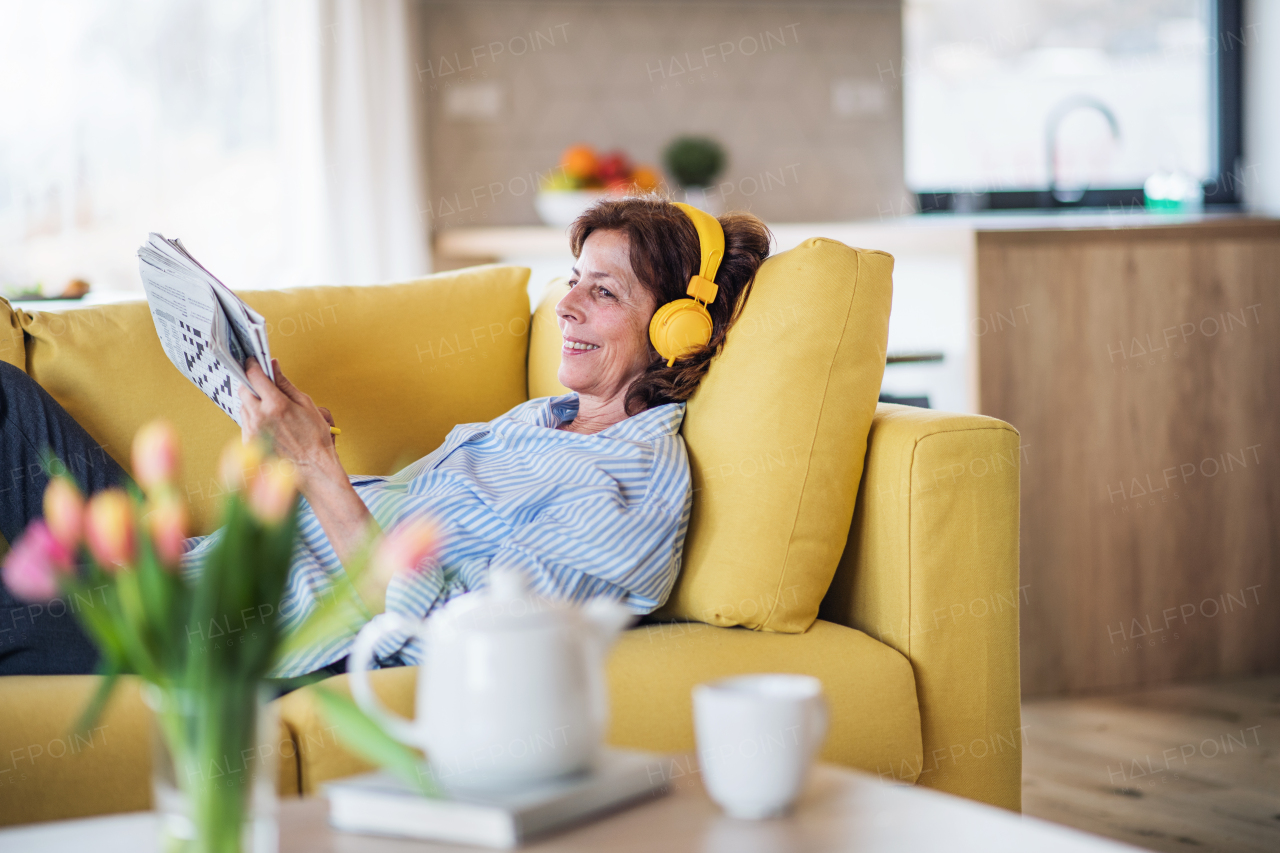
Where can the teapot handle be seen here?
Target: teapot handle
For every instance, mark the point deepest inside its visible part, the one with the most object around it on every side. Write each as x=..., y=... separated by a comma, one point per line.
x=604, y=621
x=361, y=656
x=819, y=720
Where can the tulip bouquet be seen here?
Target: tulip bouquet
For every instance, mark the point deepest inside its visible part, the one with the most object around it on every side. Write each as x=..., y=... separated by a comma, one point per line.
x=119, y=551
x=202, y=642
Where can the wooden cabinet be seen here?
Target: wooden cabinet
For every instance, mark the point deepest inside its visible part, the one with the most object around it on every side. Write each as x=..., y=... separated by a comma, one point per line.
x=1142, y=367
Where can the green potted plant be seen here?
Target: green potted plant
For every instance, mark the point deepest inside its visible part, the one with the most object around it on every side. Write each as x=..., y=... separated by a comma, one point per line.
x=695, y=162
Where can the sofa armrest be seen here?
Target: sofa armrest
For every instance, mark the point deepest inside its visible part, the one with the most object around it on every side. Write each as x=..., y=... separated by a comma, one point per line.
x=931, y=569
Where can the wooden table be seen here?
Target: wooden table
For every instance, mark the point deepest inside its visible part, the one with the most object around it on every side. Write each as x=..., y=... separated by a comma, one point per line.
x=840, y=810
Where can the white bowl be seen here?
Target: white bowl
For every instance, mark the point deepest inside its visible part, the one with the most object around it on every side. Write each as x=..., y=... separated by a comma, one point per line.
x=560, y=208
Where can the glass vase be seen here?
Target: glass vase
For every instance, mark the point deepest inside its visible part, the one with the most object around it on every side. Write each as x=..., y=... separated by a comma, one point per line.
x=214, y=759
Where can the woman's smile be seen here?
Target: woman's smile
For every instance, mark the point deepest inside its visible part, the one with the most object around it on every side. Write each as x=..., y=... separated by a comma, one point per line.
x=574, y=346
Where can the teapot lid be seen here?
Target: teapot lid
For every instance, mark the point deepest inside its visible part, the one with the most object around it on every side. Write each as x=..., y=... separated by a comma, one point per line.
x=505, y=604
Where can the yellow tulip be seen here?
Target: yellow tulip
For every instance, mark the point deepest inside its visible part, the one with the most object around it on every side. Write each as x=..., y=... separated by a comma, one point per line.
x=64, y=511
x=271, y=491
x=167, y=522
x=240, y=462
x=109, y=528
x=407, y=545
x=155, y=454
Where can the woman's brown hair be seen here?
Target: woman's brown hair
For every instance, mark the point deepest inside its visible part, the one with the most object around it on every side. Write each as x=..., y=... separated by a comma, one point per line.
x=664, y=255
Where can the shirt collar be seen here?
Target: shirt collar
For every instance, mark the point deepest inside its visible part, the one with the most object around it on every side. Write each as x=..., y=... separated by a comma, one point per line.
x=648, y=425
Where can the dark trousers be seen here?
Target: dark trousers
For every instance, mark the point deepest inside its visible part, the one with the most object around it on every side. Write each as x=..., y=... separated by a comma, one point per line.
x=42, y=638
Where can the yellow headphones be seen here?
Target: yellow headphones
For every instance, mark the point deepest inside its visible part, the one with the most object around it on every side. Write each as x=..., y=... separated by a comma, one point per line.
x=684, y=325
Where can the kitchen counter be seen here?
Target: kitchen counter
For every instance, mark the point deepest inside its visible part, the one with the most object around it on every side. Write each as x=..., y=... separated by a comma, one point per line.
x=931, y=232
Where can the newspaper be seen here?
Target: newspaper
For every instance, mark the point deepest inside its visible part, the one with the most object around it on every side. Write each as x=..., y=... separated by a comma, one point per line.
x=206, y=330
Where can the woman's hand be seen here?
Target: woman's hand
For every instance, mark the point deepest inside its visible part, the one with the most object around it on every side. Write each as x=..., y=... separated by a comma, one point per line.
x=299, y=428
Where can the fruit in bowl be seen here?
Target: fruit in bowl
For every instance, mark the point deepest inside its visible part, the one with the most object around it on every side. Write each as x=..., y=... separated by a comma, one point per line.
x=584, y=177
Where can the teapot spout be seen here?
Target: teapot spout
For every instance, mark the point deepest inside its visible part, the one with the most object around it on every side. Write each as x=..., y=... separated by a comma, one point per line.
x=608, y=618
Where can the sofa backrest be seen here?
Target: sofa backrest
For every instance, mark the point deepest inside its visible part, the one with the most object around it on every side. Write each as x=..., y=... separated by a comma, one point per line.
x=776, y=435
x=399, y=365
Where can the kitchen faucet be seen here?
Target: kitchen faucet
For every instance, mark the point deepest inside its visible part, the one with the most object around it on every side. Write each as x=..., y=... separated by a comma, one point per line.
x=1056, y=115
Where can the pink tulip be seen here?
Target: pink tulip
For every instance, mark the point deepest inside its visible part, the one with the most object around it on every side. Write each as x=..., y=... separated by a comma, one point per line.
x=271, y=491
x=109, y=528
x=404, y=548
x=167, y=523
x=155, y=454
x=64, y=511
x=240, y=462
x=32, y=565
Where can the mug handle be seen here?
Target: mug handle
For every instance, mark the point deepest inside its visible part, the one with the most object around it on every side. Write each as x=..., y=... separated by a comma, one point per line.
x=361, y=656
x=818, y=721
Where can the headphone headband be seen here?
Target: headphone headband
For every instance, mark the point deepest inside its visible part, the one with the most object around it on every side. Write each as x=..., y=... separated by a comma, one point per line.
x=710, y=244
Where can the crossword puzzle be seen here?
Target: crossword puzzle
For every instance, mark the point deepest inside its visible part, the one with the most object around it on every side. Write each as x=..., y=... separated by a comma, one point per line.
x=206, y=369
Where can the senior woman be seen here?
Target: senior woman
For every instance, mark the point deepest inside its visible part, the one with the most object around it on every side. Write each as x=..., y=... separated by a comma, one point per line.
x=587, y=494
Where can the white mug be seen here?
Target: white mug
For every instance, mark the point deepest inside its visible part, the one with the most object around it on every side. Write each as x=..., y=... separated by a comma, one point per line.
x=757, y=735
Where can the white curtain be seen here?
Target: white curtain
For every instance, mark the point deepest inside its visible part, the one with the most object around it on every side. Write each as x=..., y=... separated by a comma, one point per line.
x=350, y=141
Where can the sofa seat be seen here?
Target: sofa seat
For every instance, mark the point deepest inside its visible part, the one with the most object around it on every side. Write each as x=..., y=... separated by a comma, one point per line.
x=48, y=774
x=870, y=688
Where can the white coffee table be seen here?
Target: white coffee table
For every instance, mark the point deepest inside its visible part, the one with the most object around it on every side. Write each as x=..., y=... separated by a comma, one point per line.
x=839, y=811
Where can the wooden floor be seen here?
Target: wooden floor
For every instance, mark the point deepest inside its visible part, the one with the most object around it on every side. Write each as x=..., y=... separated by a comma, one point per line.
x=1179, y=768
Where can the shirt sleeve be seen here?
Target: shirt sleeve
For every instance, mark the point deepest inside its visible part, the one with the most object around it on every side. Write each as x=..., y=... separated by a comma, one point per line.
x=598, y=547
x=591, y=545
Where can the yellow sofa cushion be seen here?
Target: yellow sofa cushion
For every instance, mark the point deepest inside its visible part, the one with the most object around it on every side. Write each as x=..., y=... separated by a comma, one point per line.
x=399, y=365
x=545, y=342
x=875, y=718
x=776, y=435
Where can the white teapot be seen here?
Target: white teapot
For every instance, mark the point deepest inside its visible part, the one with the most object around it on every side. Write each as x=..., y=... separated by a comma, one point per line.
x=512, y=688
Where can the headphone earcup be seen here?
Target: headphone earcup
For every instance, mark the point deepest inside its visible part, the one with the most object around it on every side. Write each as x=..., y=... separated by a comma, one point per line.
x=680, y=327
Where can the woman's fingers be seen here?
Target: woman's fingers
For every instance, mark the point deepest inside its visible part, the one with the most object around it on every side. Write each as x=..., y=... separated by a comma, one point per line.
x=249, y=414
x=259, y=381
x=288, y=388
x=328, y=418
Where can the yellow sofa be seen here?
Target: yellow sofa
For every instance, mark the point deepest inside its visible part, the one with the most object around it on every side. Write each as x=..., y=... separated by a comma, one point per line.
x=917, y=637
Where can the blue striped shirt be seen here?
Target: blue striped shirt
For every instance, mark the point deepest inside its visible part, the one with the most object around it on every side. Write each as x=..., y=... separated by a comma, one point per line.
x=581, y=516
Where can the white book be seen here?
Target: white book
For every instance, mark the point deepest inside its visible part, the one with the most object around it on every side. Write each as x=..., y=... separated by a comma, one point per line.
x=380, y=804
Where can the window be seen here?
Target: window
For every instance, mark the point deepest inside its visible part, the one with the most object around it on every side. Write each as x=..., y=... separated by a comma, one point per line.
x=118, y=118
x=1038, y=103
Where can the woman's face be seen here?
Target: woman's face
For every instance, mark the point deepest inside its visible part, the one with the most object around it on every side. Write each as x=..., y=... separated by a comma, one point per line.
x=604, y=319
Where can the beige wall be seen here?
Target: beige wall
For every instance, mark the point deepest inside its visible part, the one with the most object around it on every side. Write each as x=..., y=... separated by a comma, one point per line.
x=802, y=95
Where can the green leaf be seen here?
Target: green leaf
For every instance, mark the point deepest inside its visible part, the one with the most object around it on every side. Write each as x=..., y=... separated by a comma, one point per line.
x=93, y=710
x=368, y=740
x=96, y=618
x=341, y=611
x=337, y=615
